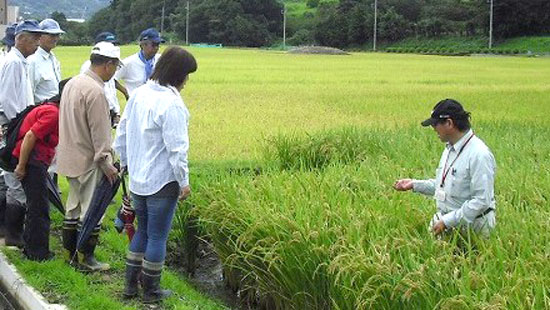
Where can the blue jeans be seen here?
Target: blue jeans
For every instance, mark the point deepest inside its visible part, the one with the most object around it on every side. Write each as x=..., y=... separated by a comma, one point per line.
x=154, y=217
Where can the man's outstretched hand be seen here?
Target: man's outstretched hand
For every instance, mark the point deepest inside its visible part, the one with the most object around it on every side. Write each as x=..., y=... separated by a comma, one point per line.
x=403, y=185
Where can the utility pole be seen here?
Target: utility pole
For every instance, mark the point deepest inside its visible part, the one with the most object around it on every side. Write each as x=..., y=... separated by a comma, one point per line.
x=187, y=26
x=375, y=25
x=162, y=18
x=284, y=25
x=491, y=26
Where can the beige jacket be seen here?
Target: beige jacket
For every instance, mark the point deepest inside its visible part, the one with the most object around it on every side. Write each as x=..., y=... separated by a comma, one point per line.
x=84, y=126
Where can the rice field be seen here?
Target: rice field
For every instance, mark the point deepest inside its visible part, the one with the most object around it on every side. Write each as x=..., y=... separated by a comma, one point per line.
x=293, y=157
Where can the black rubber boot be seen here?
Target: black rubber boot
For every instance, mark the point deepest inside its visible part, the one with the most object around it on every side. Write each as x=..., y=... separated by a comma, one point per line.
x=133, y=274
x=70, y=235
x=88, y=261
x=14, y=219
x=152, y=293
x=2, y=213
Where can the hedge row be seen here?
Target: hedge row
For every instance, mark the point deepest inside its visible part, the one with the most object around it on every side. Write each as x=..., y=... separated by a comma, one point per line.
x=446, y=51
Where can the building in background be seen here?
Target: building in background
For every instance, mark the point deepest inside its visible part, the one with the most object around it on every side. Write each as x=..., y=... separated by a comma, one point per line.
x=13, y=14
x=3, y=12
x=76, y=20
x=9, y=14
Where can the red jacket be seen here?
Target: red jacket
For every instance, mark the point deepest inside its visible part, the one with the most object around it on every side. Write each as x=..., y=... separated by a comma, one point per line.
x=44, y=123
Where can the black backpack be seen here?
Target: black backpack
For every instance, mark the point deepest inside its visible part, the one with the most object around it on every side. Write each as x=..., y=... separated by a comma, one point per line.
x=7, y=161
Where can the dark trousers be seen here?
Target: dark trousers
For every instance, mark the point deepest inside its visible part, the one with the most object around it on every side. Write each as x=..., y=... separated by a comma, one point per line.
x=37, y=221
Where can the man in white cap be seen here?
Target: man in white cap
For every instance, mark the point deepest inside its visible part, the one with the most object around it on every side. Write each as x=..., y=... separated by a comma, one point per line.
x=45, y=71
x=112, y=85
x=84, y=149
x=44, y=68
x=15, y=95
x=139, y=67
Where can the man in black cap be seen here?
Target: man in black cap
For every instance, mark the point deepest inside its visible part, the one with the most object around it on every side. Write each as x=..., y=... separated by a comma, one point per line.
x=463, y=187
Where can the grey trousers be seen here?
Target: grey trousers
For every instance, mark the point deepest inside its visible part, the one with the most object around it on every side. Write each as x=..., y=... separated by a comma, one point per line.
x=15, y=193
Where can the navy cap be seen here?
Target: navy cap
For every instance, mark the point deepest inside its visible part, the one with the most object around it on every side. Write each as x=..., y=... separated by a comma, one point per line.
x=9, y=39
x=151, y=34
x=106, y=37
x=445, y=109
x=29, y=25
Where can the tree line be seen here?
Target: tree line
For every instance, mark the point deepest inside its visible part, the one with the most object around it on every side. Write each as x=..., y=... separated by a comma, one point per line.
x=344, y=23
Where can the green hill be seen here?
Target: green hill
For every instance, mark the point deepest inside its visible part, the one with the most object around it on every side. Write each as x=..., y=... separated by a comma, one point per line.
x=40, y=9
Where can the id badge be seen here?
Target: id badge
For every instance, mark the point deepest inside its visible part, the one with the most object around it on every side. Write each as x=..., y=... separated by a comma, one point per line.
x=440, y=194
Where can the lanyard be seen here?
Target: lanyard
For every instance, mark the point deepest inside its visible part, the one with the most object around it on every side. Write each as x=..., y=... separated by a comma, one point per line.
x=446, y=172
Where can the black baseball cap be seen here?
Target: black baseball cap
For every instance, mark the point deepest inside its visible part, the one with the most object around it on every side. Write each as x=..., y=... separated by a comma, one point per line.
x=445, y=109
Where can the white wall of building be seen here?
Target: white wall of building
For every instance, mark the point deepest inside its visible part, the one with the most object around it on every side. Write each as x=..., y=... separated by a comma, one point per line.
x=3, y=12
x=13, y=14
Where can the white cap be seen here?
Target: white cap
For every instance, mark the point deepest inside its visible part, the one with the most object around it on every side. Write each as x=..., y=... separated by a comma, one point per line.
x=106, y=49
x=50, y=26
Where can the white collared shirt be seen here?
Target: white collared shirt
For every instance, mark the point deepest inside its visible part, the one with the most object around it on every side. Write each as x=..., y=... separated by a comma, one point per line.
x=15, y=86
x=469, y=185
x=152, y=138
x=45, y=74
x=110, y=89
x=133, y=72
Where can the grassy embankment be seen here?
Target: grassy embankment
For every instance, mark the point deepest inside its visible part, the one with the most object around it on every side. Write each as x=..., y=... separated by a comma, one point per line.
x=471, y=45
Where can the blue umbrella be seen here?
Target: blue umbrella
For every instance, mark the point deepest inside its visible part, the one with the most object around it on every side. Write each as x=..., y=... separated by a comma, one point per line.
x=103, y=195
x=53, y=195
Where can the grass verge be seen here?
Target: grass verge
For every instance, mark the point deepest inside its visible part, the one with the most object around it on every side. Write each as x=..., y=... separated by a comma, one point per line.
x=61, y=283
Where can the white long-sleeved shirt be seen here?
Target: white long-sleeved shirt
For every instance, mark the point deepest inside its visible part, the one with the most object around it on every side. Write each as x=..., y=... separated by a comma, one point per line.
x=133, y=72
x=44, y=74
x=110, y=89
x=152, y=139
x=15, y=86
x=469, y=185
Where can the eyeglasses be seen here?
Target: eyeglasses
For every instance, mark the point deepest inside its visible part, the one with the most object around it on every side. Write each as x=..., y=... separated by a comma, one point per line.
x=118, y=64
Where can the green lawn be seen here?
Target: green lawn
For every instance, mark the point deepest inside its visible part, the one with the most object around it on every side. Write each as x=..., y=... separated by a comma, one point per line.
x=61, y=283
x=300, y=235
